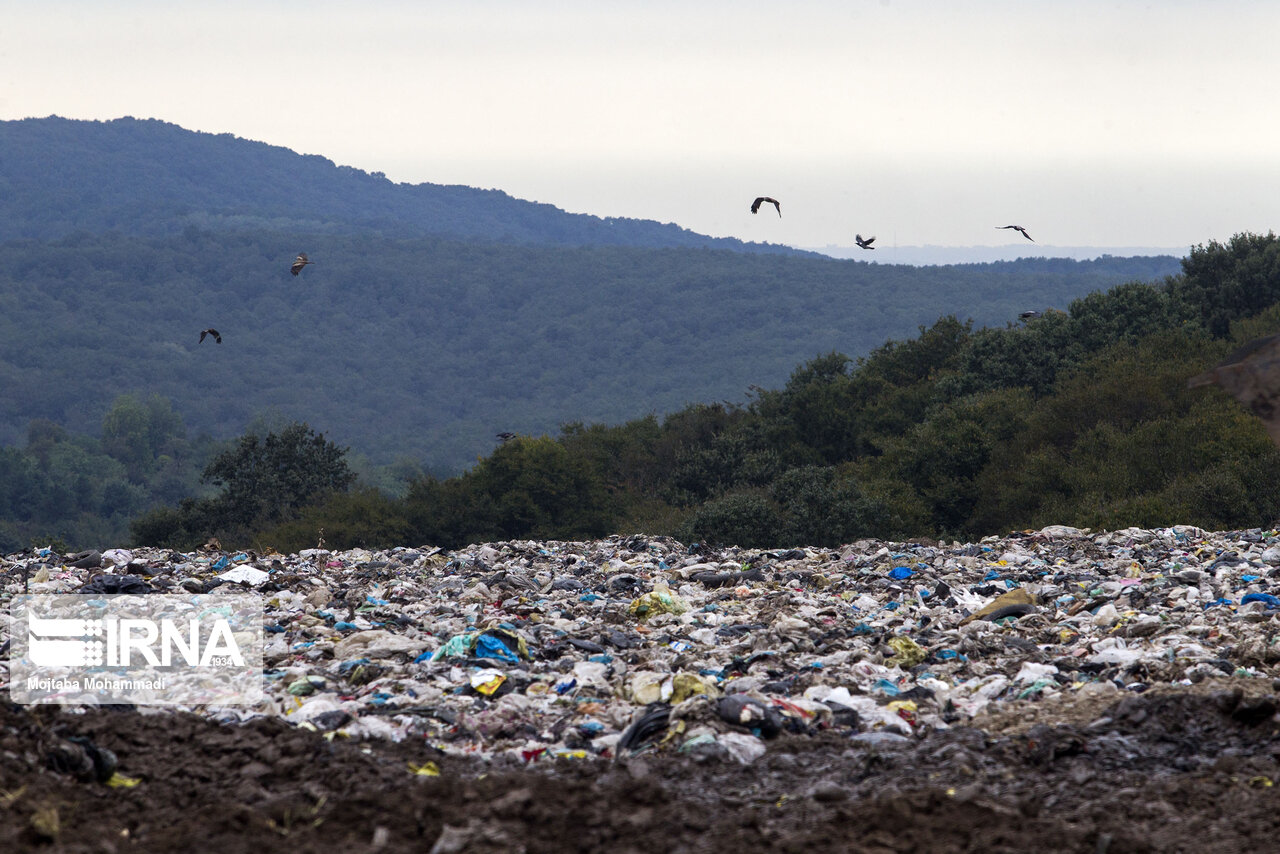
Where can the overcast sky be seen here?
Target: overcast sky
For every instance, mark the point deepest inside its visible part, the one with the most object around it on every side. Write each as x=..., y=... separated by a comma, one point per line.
x=1088, y=122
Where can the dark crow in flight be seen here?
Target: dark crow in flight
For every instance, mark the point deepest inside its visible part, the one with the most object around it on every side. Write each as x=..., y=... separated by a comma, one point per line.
x=298, y=263
x=1019, y=228
x=506, y=437
x=755, y=206
x=217, y=339
x=865, y=244
x=1252, y=376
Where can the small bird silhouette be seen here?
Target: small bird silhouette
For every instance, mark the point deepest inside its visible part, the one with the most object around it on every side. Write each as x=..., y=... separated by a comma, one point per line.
x=755, y=206
x=1019, y=228
x=1252, y=376
x=1029, y=315
x=299, y=262
x=865, y=244
x=217, y=339
x=506, y=437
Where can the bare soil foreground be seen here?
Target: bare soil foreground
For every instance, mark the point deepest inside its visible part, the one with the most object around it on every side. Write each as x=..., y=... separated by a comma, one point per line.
x=1172, y=769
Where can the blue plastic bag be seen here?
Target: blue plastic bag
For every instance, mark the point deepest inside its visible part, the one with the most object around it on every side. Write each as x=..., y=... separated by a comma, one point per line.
x=488, y=646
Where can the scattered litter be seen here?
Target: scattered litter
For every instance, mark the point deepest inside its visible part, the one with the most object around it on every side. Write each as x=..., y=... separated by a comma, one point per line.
x=561, y=651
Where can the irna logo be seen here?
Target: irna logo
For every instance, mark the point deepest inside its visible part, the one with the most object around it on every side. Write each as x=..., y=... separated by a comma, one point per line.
x=114, y=642
x=160, y=649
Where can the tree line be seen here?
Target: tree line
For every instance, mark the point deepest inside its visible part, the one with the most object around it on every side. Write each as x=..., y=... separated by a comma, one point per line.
x=1078, y=417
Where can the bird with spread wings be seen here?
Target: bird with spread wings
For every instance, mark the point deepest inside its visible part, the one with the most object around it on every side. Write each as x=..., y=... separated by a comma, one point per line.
x=765, y=200
x=1019, y=228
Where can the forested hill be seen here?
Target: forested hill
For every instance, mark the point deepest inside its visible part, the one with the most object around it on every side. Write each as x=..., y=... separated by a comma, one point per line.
x=427, y=348
x=1081, y=417
x=433, y=317
x=148, y=177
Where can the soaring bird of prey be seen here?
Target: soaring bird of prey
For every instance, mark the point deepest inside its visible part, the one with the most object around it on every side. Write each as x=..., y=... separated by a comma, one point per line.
x=755, y=206
x=1252, y=376
x=1018, y=228
x=217, y=339
x=865, y=244
x=505, y=437
x=1029, y=315
x=299, y=262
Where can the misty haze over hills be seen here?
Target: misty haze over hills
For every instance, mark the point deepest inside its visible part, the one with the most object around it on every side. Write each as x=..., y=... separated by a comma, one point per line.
x=942, y=255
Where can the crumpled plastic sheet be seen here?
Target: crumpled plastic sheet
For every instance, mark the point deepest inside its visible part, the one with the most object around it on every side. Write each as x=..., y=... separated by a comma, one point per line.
x=571, y=650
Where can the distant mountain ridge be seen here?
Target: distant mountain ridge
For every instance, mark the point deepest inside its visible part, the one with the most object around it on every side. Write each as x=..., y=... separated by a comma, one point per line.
x=148, y=177
x=927, y=256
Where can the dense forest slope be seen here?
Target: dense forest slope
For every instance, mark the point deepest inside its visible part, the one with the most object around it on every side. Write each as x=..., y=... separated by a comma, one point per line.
x=429, y=347
x=1082, y=417
x=651, y=372
x=147, y=177
x=433, y=317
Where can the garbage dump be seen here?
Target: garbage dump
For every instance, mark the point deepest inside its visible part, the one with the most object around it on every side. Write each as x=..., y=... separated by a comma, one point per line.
x=1056, y=690
x=642, y=645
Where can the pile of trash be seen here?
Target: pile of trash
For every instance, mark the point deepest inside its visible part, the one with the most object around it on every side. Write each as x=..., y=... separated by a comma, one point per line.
x=640, y=644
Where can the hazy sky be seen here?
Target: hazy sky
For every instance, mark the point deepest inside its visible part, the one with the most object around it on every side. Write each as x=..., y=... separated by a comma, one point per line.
x=1088, y=122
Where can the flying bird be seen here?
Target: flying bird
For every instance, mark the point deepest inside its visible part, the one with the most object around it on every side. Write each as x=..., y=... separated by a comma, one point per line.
x=1252, y=376
x=217, y=339
x=1029, y=315
x=1019, y=228
x=299, y=262
x=505, y=437
x=755, y=206
x=865, y=244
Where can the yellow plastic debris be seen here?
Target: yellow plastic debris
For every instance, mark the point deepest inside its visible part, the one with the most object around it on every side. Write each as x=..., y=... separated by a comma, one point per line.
x=903, y=706
x=487, y=681
x=660, y=600
x=1017, y=596
x=909, y=653
x=426, y=769
x=568, y=754
x=686, y=685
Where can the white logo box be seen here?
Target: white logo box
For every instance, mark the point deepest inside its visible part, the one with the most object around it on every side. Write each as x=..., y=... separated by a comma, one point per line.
x=158, y=649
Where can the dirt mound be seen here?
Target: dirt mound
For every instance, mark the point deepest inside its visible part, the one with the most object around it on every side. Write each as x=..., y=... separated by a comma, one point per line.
x=1188, y=770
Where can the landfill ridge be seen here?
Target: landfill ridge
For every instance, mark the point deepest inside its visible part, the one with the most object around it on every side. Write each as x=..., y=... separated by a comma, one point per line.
x=1051, y=690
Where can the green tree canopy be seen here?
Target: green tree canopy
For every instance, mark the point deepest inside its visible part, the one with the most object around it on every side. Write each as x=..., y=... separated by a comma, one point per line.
x=136, y=433
x=266, y=479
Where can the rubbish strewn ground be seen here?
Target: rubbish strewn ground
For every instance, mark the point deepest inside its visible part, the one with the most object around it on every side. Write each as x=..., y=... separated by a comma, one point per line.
x=1050, y=691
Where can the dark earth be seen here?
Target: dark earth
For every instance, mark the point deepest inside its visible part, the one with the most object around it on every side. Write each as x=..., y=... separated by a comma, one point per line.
x=1193, y=769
